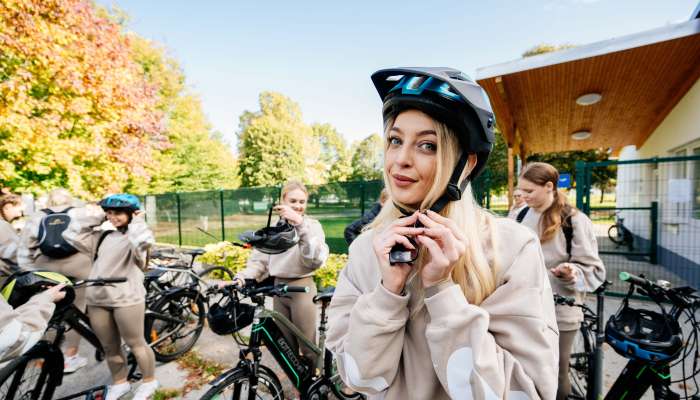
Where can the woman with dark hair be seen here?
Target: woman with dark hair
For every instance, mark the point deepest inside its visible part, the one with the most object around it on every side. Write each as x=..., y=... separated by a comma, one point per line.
x=570, y=252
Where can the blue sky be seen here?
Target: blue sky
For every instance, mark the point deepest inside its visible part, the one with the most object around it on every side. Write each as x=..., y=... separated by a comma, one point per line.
x=322, y=53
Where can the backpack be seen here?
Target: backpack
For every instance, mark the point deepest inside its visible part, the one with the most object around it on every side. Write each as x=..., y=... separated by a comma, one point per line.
x=51, y=241
x=567, y=227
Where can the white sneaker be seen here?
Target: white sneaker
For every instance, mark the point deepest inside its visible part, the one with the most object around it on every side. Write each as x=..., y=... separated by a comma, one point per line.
x=114, y=392
x=73, y=363
x=146, y=390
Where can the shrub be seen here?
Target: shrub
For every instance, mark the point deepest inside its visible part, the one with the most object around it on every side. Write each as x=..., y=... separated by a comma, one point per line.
x=234, y=258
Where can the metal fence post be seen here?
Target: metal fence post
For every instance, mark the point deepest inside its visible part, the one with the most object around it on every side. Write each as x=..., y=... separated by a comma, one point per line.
x=179, y=220
x=362, y=199
x=653, y=252
x=221, y=206
x=580, y=184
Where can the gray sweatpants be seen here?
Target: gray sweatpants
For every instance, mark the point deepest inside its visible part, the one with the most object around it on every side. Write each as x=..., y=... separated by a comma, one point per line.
x=111, y=325
x=301, y=310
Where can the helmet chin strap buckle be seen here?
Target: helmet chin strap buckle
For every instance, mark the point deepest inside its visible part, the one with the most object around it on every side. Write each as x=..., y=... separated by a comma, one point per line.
x=453, y=191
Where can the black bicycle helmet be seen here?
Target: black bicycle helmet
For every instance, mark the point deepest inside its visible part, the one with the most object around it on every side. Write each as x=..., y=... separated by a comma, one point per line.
x=229, y=316
x=19, y=287
x=644, y=335
x=272, y=239
x=449, y=96
x=122, y=201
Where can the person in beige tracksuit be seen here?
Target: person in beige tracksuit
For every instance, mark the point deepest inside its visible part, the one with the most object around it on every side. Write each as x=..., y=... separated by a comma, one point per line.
x=76, y=266
x=295, y=266
x=472, y=317
x=22, y=327
x=571, y=274
x=10, y=209
x=117, y=311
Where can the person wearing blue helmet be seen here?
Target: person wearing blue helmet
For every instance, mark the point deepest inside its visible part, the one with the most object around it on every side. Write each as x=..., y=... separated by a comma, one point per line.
x=441, y=299
x=118, y=249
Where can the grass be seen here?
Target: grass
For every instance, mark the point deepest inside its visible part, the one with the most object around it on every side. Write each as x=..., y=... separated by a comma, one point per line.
x=166, y=394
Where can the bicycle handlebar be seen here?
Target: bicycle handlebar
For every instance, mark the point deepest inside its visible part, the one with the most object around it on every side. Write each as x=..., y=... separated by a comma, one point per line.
x=99, y=281
x=636, y=280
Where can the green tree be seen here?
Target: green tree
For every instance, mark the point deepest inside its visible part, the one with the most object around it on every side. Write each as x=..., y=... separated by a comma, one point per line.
x=335, y=155
x=271, y=142
x=497, y=165
x=367, y=158
x=197, y=158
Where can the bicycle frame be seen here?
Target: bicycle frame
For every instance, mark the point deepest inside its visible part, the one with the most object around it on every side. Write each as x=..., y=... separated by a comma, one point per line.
x=266, y=330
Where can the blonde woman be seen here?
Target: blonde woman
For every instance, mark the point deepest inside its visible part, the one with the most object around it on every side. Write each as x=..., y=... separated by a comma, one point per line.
x=472, y=316
x=294, y=266
x=570, y=252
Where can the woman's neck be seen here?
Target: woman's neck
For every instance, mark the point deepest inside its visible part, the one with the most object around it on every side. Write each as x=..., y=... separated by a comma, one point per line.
x=545, y=205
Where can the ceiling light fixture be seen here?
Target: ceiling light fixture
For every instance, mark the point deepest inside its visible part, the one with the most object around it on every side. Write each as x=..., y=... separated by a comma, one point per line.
x=581, y=135
x=588, y=99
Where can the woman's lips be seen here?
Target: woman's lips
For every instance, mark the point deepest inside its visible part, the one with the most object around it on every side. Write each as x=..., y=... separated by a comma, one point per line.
x=402, y=181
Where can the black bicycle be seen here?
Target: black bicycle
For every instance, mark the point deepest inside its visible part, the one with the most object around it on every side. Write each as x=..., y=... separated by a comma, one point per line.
x=252, y=380
x=36, y=374
x=652, y=341
x=619, y=234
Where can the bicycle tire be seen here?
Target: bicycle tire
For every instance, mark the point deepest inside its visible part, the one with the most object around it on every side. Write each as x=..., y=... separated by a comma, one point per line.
x=613, y=235
x=234, y=387
x=579, y=362
x=188, y=307
x=32, y=376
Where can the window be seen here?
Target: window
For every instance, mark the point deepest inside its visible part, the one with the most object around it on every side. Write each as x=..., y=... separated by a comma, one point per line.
x=696, y=184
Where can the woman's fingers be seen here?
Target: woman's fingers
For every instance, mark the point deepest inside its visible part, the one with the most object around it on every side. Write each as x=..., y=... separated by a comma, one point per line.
x=446, y=222
x=436, y=254
x=406, y=221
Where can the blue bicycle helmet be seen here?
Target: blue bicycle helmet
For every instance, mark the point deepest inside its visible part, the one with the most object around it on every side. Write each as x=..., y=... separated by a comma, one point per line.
x=122, y=201
x=448, y=96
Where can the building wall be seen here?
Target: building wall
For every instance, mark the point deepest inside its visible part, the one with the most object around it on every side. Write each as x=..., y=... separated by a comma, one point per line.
x=681, y=126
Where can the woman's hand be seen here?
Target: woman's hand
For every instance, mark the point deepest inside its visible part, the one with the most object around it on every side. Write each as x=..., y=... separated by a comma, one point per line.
x=445, y=244
x=56, y=293
x=290, y=215
x=394, y=276
x=564, y=272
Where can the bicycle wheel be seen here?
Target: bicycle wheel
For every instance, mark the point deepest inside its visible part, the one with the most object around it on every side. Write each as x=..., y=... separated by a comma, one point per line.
x=236, y=385
x=614, y=235
x=174, y=324
x=579, y=362
x=32, y=376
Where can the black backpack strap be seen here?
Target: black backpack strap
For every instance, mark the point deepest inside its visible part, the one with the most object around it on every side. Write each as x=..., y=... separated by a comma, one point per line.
x=522, y=214
x=47, y=211
x=66, y=210
x=568, y=228
x=99, y=243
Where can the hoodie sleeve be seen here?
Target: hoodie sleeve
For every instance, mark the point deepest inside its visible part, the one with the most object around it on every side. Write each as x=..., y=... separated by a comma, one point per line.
x=366, y=328
x=29, y=242
x=21, y=328
x=505, y=348
x=141, y=239
x=312, y=244
x=81, y=232
x=9, y=242
x=256, y=266
x=588, y=267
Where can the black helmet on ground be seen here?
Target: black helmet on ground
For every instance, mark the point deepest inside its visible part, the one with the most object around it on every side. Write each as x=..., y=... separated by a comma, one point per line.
x=449, y=96
x=272, y=239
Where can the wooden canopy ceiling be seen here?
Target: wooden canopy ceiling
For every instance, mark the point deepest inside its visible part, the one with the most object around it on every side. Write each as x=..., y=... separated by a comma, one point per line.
x=641, y=78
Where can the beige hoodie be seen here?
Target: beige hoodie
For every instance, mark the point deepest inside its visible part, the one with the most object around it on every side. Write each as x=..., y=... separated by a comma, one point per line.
x=22, y=327
x=121, y=254
x=30, y=257
x=588, y=267
x=9, y=244
x=395, y=347
x=298, y=262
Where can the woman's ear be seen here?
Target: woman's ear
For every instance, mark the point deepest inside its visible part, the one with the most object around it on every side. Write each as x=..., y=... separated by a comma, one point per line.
x=471, y=163
x=549, y=186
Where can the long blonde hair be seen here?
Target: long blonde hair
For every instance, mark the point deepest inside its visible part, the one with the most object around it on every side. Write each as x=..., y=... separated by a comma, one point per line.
x=473, y=273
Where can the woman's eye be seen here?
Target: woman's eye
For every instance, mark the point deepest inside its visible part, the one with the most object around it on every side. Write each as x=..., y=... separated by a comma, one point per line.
x=394, y=141
x=428, y=146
